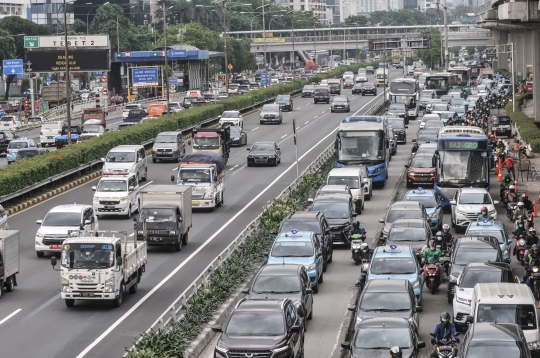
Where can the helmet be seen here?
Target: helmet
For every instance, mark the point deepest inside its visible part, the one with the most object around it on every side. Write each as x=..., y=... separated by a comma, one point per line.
x=431, y=244
x=532, y=231
x=511, y=188
x=446, y=227
x=438, y=235
x=396, y=352
x=520, y=204
x=524, y=196
x=507, y=177
x=484, y=210
x=534, y=250
x=356, y=224
x=445, y=318
x=364, y=247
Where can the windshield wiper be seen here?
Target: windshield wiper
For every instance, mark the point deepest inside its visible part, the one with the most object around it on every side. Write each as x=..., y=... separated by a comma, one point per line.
x=387, y=310
x=375, y=347
x=448, y=181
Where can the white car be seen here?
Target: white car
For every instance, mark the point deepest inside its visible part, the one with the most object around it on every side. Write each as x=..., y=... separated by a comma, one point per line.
x=10, y=122
x=362, y=77
x=58, y=221
x=466, y=206
x=481, y=88
x=427, y=118
x=348, y=74
x=128, y=107
x=233, y=118
x=117, y=195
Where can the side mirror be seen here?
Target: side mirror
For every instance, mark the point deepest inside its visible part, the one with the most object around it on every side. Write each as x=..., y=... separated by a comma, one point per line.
x=139, y=160
x=119, y=260
x=381, y=221
x=278, y=148
x=351, y=308
x=470, y=319
x=103, y=160
x=94, y=188
x=421, y=344
x=173, y=179
x=453, y=202
x=495, y=202
x=421, y=270
x=419, y=309
x=300, y=311
x=39, y=222
x=406, y=165
x=354, y=215
x=53, y=261
x=346, y=345
x=406, y=127
x=310, y=200
x=87, y=222
x=245, y=291
x=273, y=232
x=248, y=149
x=309, y=291
x=189, y=142
x=296, y=328
x=217, y=328
x=131, y=188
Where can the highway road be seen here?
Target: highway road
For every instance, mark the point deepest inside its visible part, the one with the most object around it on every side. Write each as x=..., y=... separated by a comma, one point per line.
x=34, y=321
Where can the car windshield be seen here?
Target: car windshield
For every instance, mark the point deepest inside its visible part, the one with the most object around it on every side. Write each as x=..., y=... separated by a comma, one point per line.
x=397, y=124
x=282, y=98
x=166, y=138
x=93, y=129
x=235, y=131
x=340, y=99
x=308, y=87
x=382, y=338
x=206, y=142
x=352, y=182
x=501, y=120
x=439, y=107
x=333, y=210
x=107, y=185
x=292, y=249
x=395, y=214
x=494, y=233
x=396, y=107
x=270, y=109
x=157, y=215
x=482, y=349
x=421, y=162
x=474, y=198
x=522, y=315
x=368, y=84
x=407, y=234
x=276, y=284
x=427, y=200
x=393, y=265
x=472, y=277
x=62, y=219
x=311, y=226
x=192, y=175
x=87, y=256
x=255, y=324
x=18, y=145
x=425, y=137
x=263, y=147
x=465, y=256
x=121, y=157
x=230, y=115
x=394, y=301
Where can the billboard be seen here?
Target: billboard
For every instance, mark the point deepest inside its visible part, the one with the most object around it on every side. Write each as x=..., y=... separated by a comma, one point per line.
x=145, y=77
x=79, y=60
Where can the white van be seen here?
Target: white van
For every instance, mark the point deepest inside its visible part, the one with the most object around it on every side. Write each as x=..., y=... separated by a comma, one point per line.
x=354, y=179
x=49, y=131
x=126, y=159
x=507, y=303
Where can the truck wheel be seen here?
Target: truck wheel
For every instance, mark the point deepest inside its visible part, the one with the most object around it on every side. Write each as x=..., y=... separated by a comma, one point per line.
x=133, y=289
x=178, y=246
x=129, y=212
x=154, y=160
x=139, y=274
x=118, y=300
x=40, y=254
x=218, y=201
x=70, y=303
x=10, y=284
x=1, y=288
x=185, y=239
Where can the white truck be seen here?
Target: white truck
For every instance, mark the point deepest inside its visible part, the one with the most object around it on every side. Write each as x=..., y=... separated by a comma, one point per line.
x=205, y=173
x=100, y=265
x=381, y=77
x=9, y=259
x=165, y=215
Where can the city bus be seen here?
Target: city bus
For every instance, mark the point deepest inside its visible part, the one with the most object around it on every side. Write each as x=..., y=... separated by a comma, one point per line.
x=463, y=75
x=366, y=143
x=406, y=91
x=461, y=160
x=440, y=82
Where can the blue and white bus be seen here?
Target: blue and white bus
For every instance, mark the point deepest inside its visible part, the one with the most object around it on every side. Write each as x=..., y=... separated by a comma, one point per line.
x=364, y=140
x=461, y=160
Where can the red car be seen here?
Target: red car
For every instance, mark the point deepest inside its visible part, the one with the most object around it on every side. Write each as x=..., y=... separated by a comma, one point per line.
x=420, y=170
x=348, y=83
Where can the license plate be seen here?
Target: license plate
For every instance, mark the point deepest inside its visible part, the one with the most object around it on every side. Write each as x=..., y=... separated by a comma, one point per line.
x=50, y=137
x=155, y=239
x=195, y=202
x=56, y=247
x=109, y=206
x=87, y=294
x=6, y=125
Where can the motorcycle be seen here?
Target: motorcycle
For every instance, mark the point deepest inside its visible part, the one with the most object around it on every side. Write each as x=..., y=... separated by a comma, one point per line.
x=533, y=282
x=510, y=208
x=356, y=241
x=521, y=249
x=529, y=219
x=363, y=275
x=520, y=220
x=446, y=348
x=432, y=275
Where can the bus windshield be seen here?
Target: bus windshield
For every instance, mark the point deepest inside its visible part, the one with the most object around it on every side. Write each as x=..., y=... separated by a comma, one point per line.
x=462, y=167
x=437, y=83
x=402, y=87
x=367, y=145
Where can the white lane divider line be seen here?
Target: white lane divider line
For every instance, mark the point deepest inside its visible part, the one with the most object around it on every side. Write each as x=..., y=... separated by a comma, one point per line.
x=299, y=107
x=297, y=127
x=284, y=136
x=323, y=112
x=234, y=167
x=254, y=129
x=315, y=117
x=131, y=235
x=11, y=315
x=306, y=122
x=145, y=185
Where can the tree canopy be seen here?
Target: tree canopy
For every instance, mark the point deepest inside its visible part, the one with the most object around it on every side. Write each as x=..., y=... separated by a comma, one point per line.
x=432, y=57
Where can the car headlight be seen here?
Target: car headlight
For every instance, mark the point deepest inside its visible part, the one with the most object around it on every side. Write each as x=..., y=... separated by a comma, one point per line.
x=533, y=346
x=39, y=235
x=358, y=321
x=505, y=252
x=65, y=285
x=208, y=195
x=493, y=212
x=236, y=138
x=411, y=174
x=535, y=269
x=174, y=148
x=378, y=170
x=434, y=215
x=172, y=232
x=463, y=300
x=311, y=267
x=109, y=285
x=461, y=213
x=416, y=284
x=453, y=278
x=250, y=157
x=140, y=232
x=123, y=198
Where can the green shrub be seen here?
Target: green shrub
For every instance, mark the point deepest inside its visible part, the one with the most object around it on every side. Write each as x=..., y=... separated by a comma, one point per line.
x=528, y=130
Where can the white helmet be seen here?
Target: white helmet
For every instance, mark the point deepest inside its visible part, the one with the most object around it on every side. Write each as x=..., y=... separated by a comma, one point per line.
x=520, y=204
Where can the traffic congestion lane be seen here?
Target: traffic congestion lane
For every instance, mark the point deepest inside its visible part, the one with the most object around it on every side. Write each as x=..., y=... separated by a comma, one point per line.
x=161, y=262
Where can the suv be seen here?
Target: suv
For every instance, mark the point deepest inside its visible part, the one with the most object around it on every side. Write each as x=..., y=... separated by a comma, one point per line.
x=261, y=328
x=340, y=103
x=315, y=222
x=270, y=113
x=403, y=210
x=466, y=206
x=339, y=212
x=495, y=340
x=126, y=159
x=495, y=229
x=285, y=102
x=321, y=94
x=307, y=91
x=117, y=195
x=167, y=146
x=54, y=229
x=231, y=118
x=502, y=125
x=129, y=107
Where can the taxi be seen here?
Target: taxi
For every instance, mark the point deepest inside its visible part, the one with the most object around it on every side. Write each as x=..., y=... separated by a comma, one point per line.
x=15, y=145
x=117, y=195
x=495, y=229
x=396, y=262
x=432, y=204
x=300, y=248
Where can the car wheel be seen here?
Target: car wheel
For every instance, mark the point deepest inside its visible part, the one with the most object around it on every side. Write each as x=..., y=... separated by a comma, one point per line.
x=118, y=300
x=154, y=160
x=260, y=122
x=321, y=279
x=128, y=215
x=70, y=303
x=316, y=288
x=40, y=254
x=248, y=164
x=10, y=284
x=331, y=111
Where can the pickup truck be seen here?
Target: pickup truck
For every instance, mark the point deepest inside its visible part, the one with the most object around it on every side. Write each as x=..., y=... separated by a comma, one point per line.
x=9, y=259
x=62, y=140
x=165, y=215
x=205, y=173
x=135, y=115
x=100, y=265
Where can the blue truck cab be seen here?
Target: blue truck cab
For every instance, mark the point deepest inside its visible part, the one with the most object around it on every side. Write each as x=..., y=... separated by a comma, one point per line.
x=492, y=228
x=396, y=262
x=432, y=204
x=300, y=248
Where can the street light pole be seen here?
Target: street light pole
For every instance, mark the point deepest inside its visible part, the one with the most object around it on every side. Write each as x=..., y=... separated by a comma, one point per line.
x=264, y=40
x=225, y=44
x=68, y=79
x=166, y=72
x=88, y=15
x=445, y=36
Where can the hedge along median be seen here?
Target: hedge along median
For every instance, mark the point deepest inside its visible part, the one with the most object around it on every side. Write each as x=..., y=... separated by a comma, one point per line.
x=226, y=279
x=528, y=130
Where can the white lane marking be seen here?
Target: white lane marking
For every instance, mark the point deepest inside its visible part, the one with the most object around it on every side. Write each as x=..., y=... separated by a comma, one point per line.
x=234, y=167
x=299, y=107
x=199, y=249
x=145, y=185
x=306, y=122
x=131, y=235
x=297, y=127
x=11, y=315
x=254, y=129
x=284, y=136
x=323, y=112
x=315, y=117
x=173, y=169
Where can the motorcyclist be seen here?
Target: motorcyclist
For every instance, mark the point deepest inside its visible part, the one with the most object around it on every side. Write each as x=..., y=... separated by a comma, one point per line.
x=526, y=202
x=415, y=145
x=365, y=255
x=531, y=237
x=506, y=184
x=520, y=211
x=443, y=330
x=484, y=214
x=533, y=259
x=511, y=194
x=357, y=230
x=431, y=252
x=447, y=236
x=396, y=352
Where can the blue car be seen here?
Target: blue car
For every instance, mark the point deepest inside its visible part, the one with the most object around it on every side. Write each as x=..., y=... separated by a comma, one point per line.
x=396, y=262
x=431, y=202
x=17, y=144
x=300, y=248
x=495, y=229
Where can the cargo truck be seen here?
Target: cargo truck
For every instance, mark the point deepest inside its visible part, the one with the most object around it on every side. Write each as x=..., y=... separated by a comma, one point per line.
x=205, y=173
x=55, y=94
x=217, y=140
x=9, y=259
x=165, y=215
x=100, y=265
x=381, y=76
x=95, y=115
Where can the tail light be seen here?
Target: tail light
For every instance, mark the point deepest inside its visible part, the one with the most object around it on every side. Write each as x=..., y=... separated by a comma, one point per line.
x=40, y=133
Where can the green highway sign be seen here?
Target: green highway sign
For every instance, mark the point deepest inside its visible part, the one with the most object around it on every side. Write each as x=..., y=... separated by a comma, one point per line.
x=31, y=42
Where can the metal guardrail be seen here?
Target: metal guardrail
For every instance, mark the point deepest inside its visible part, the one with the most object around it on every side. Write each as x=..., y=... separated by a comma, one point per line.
x=175, y=312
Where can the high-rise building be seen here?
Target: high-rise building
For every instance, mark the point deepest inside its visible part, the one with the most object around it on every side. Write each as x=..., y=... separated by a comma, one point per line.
x=14, y=8
x=318, y=7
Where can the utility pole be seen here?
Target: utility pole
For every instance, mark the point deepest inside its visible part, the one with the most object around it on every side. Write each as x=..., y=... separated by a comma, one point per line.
x=264, y=40
x=445, y=36
x=68, y=77
x=31, y=90
x=166, y=72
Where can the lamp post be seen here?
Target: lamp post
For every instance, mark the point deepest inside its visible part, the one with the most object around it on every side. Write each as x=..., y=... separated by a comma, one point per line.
x=88, y=14
x=68, y=79
x=166, y=72
x=264, y=39
x=258, y=14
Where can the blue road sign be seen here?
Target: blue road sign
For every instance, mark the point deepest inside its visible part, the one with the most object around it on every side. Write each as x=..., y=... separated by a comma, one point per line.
x=173, y=80
x=13, y=67
x=26, y=93
x=147, y=76
x=365, y=48
x=265, y=79
x=177, y=53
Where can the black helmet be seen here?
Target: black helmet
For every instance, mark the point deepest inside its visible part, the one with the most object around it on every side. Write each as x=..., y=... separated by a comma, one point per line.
x=431, y=244
x=356, y=224
x=396, y=352
x=534, y=250
x=445, y=318
x=438, y=236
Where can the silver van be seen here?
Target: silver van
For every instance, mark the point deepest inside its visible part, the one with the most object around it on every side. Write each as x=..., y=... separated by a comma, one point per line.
x=126, y=159
x=354, y=179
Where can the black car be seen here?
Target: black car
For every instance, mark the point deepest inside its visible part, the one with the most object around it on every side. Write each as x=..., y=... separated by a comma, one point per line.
x=311, y=221
x=397, y=110
x=5, y=138
x=375, y=336
x=369, y=88
x=276, y=282
x=264, y=153
x=338, y=209
x=308, y=90
x=495, y=340
x=398, y=65
x=321, y=94
x=238, y=136
x=470, y=249
x=335, y=88
x=358, y=88
x=402, y=210
x=409, y=232
x=387, y=298
x=261, y=328
x=285, y=102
